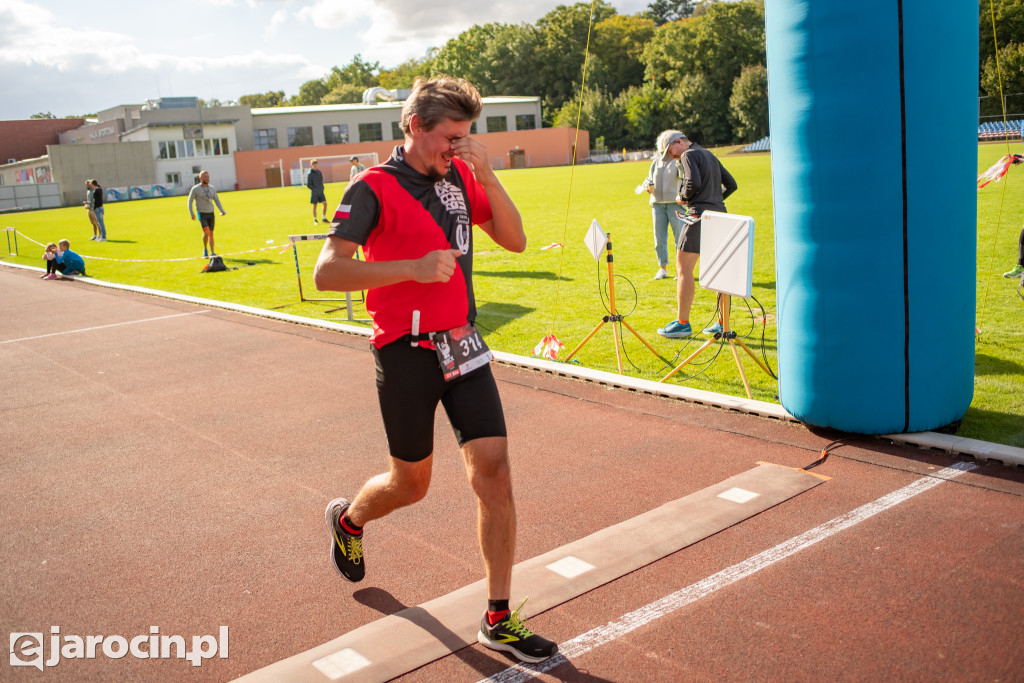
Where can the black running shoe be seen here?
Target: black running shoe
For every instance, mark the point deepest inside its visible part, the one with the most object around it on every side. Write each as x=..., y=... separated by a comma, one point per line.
x=346, y=549
x=511, y=635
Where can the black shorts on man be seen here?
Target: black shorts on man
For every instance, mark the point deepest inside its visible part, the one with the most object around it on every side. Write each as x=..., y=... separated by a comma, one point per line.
x=206, y=220
x=410, y=384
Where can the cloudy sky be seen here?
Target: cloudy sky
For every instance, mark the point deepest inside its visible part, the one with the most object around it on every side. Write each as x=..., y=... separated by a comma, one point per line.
x=75, y=58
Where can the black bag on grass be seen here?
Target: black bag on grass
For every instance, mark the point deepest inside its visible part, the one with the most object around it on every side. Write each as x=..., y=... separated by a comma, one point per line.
x=215, y=265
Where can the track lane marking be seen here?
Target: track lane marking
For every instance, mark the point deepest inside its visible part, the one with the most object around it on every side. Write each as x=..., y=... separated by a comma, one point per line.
x=100, y=327
x=602, y=635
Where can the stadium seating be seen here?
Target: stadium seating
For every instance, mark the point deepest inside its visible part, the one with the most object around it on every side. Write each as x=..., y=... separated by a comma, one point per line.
x=1000, y=130
x=988, y=130
x=762, y=145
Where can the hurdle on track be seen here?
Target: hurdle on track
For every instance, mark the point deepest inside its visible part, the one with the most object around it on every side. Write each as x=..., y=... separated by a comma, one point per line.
x=348, y=295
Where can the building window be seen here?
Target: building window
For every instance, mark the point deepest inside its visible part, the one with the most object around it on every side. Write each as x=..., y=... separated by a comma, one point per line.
x=265, y=138
x=300, y=137
x=370, y=132
x=472, y=129
x=174, y=178
x=396, y=131
x=168, y=150
x=336, y=135
x=526, y=121
x=497, y=124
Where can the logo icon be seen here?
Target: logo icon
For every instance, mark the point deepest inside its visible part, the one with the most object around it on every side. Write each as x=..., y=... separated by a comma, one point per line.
x=27, y=650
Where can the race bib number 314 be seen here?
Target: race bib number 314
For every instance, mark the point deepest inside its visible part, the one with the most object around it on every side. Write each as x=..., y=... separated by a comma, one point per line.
x=461, y=351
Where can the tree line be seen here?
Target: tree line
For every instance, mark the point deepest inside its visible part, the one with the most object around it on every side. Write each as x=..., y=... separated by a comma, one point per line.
x=700, y=67
x=697, y=67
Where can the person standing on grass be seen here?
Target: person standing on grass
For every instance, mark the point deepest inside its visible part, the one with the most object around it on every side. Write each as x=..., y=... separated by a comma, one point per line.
x=205, y=196
x=1018, y=270
x=355, y=168
x=315, y=183
x=89, y=204
x=706, y=184
x=413, y=216
x=662, y=183
x=97, y=203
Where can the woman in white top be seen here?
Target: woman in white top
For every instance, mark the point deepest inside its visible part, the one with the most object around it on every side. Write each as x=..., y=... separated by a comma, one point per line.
x=662, y=184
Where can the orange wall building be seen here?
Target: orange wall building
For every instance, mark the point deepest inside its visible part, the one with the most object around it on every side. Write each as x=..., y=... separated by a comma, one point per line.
x=514, y=149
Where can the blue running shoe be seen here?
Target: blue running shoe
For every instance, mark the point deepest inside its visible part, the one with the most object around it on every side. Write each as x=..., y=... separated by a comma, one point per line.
x=676, y=330
x=714, y=329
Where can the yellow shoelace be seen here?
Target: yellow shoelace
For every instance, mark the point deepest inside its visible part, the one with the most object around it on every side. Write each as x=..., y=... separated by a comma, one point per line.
x=354, y=553
x=516, y=625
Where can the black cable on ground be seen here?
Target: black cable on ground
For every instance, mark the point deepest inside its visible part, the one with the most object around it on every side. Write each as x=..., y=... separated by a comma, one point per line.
x=824, y=454
x=764, y=330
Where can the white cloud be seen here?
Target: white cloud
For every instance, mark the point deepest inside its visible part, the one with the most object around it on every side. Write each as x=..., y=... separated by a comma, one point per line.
x=55, y=58
x=331, y=15
x=276, y=21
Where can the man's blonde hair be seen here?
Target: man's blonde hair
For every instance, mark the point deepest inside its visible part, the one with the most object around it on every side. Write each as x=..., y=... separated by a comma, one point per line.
x=437, y=99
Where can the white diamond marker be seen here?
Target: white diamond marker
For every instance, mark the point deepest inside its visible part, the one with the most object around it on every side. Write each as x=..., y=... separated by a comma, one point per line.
x=570, y=567
x=738, y=495
x=341, y=663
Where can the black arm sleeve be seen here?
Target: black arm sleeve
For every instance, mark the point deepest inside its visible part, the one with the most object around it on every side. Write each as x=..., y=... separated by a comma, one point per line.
x=728, y=182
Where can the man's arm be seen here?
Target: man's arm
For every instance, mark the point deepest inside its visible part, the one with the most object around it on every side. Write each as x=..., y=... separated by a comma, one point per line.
x=691, y=178
x=216, y=200
x=337, y=271
x=728, y=182
x=191, y=198
x=506, y=225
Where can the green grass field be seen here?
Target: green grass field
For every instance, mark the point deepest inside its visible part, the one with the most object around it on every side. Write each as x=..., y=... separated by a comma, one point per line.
x=523, y=297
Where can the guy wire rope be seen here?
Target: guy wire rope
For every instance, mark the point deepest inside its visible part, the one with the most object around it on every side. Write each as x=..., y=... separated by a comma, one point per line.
x=1006, y=180
x=572, y=170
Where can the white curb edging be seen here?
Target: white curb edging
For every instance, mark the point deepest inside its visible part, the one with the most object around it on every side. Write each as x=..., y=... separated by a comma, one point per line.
x=980, y=450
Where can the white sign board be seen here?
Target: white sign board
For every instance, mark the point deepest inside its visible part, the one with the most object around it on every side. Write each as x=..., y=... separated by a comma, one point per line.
x=727, y=253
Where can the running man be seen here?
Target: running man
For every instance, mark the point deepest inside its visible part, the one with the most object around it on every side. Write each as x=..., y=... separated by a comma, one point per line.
x=205, y=196
x=413, y=216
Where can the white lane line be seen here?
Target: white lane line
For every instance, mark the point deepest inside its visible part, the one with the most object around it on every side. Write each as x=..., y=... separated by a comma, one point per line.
x=100, y=327
x=601, y=635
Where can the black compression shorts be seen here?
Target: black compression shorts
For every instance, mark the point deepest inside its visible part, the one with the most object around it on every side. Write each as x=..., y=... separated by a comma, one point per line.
x=410, y=385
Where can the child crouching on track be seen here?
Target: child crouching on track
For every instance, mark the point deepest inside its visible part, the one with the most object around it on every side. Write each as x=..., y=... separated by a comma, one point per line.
x=68, y=262
x=50, y=256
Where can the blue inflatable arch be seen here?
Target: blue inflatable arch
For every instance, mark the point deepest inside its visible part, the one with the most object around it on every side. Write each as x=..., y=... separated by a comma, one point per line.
x=873, y=113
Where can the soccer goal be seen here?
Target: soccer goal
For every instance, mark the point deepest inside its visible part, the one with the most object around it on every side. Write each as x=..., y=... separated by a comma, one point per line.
x=298, y=239
x=336, y=168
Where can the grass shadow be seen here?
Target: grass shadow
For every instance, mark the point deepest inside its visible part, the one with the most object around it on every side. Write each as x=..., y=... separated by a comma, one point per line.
x=250, y=262
x=516, y=274
x=985, y=364
x=492, y=315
